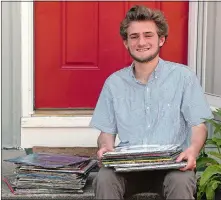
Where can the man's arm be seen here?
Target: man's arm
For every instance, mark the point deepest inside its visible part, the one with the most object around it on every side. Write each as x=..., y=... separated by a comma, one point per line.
x=195, y=110
x=106, y=140
x=198, y=138
x=105, y=143
x=104, y=120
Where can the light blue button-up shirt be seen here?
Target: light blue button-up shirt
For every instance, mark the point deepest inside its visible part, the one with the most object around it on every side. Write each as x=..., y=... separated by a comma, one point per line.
x=159, y=112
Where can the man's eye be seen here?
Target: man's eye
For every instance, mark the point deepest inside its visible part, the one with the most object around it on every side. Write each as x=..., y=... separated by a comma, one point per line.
x=148, y=36
x=134, y=37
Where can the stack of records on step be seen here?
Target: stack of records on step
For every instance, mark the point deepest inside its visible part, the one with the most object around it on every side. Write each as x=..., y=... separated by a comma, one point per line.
x=49, y=174
x=143, y=157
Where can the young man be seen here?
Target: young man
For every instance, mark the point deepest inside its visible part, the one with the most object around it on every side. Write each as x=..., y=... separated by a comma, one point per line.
x=151, y=102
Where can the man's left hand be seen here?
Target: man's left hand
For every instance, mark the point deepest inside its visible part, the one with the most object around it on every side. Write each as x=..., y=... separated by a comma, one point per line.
x=189, y=155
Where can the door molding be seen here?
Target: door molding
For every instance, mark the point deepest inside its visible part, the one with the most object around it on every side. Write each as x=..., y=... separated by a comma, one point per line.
x=27, y=64
x=192, y=34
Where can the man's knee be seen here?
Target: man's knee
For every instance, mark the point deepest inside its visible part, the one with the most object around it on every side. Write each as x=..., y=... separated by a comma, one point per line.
x=105, y=176
x=108, y=185
x=177, y=182
x=181, y=177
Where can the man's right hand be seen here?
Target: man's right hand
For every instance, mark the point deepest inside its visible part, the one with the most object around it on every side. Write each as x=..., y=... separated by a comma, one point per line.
x=105, y=143
x=100, y=153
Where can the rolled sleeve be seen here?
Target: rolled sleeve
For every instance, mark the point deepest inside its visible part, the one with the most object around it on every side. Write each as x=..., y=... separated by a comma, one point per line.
x=195, y=107
x=103, y=117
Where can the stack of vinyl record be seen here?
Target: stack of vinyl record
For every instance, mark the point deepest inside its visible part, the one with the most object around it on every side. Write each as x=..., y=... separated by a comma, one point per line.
x=49, y=174
x=143, y=157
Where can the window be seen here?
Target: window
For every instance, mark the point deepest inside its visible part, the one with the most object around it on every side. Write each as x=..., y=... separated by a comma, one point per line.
x=208, y=59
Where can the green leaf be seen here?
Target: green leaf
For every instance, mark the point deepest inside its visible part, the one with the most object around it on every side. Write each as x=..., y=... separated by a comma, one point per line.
x=201, y=191
x=209, y=172
x=202, y=154
x=211, y=187
x=217, y=130
x=215, y=154
x=210, y=193
x=210, y=141
x=218, y=112
x=217, y=141
x=216, y=184
x=199, y=195
x=205, y=161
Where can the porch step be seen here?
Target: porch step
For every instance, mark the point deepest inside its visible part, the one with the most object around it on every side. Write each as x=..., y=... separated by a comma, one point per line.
x=88, y=194
x=8, y=169
x=144, y=196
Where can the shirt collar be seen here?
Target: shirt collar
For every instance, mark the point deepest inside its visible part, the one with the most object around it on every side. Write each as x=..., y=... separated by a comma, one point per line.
x=155, y=74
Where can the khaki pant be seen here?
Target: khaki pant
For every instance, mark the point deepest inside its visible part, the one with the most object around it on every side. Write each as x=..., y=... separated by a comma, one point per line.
x=169, y=184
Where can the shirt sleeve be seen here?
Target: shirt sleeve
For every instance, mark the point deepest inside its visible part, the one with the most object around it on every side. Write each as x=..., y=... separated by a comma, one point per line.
x=194, y=107
x=103, y=117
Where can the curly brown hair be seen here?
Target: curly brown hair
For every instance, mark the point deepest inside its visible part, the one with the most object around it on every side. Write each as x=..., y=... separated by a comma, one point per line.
x=142, y=13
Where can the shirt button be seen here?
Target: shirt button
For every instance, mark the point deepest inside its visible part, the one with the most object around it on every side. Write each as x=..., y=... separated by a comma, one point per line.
x=148, y=126
x=148, y=108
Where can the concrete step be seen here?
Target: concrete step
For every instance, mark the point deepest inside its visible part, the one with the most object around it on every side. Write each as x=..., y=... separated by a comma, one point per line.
x=88, y=193
x=144, y=196
x=8, y=169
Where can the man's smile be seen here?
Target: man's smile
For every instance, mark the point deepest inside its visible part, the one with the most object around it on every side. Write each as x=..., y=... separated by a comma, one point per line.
x=142, y=50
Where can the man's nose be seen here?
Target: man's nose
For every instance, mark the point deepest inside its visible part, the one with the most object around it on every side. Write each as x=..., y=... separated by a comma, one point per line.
x=142, y=41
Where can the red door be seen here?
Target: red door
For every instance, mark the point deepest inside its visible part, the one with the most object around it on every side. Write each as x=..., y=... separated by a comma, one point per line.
x=77, y=46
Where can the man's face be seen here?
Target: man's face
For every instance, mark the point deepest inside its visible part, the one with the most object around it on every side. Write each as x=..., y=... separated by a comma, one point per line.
x=143, y=42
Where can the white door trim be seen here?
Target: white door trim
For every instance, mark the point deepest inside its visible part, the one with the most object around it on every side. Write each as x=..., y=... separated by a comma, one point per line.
x=192, y=34
x=27, y=65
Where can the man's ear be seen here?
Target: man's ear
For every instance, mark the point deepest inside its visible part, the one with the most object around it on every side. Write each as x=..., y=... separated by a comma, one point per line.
x=162, y=41
x=125, y=44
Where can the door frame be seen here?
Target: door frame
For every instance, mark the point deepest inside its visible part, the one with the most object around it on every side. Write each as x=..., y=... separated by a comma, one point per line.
x=27, y=69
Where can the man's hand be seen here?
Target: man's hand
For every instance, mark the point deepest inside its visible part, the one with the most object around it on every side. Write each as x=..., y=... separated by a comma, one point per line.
x=198, y=138
x=189, y=155
x=100, y=153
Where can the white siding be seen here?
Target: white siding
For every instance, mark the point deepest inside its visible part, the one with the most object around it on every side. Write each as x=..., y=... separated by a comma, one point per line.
x=11, y=74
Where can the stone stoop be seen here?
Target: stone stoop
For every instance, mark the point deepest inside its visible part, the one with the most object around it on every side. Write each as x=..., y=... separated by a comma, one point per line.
x=88, y=194
x=144, y=196
x=8, y=169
